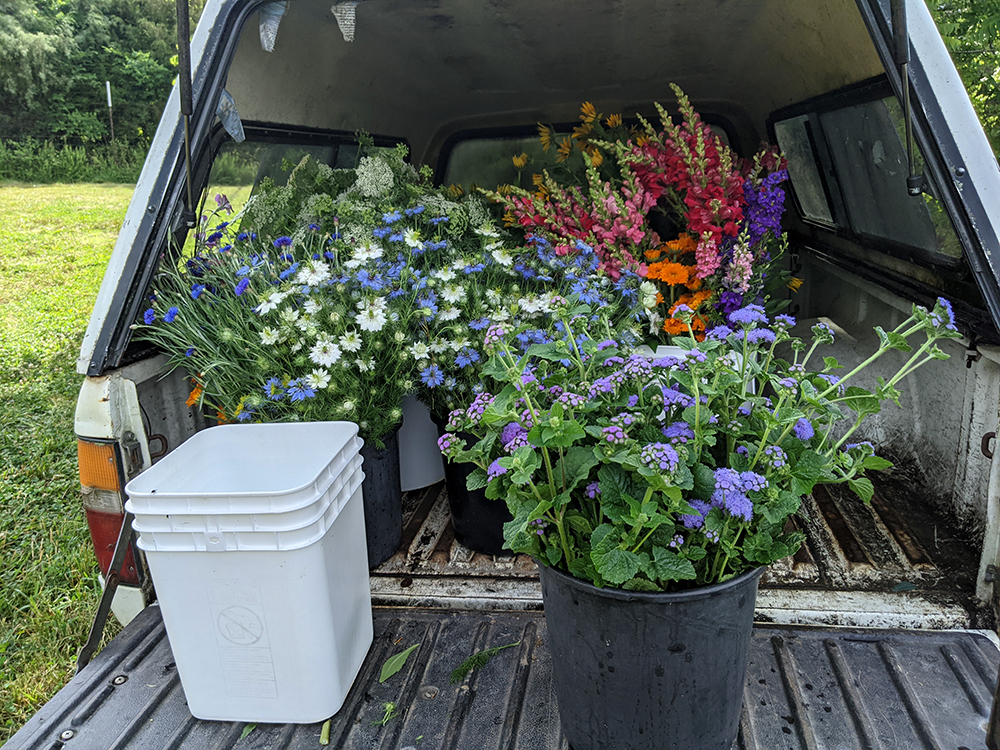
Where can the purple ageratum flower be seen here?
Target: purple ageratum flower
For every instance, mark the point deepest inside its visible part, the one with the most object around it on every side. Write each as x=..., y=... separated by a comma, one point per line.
x=784, y=321
x=495, y=470
x=148, y=317
x=748, y=315
x=614, y=435
x=788, y=383
x=601, y=385
x=592, y=490
x=761, y=336
x=677, y=541
x=478, y=406
x=864, y=444
x=511, y=431
x=633, y=401
x=518, y=441
x=739, y=505
x=678, y=433
x=729, y=493
x=832, y=380
x=607, y=344
x=775, y=457
x=572, y=400
x=494, y=334
x=696, y=521
x=803, y=430
x=742, y=450
x=659, y=457
x=666, y=363
x=171, y=314
x=637, y=366
x=712, y=536
x=448, y=444
x=241, y=286
x=822, y=333
x=623, y=419
x=719, y=333
x=753, y=482
x=695, y=356
x=945, y=307
x=455, y=418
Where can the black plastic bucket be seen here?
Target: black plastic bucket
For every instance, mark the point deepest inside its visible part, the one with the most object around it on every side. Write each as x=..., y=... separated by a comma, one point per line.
x=383, y=499
x=644, y=670
x=477, y=520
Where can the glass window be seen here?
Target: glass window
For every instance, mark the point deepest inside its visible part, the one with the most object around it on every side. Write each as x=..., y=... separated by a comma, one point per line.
x=869, y=157
x=488, y=162
x=795, y=139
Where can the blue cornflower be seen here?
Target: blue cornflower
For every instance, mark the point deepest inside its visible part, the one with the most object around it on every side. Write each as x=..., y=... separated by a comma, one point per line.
x=432, y=376
x=171, y=314
x=299, y=390
x=328, y=255
x=466, y=357
x=392, y=217
x=283, y=242
x=241, y=286
x=196, y=290
x=314, y=227
x=189, y=352
x=243, y=236
x=274, y=390
x=149, y=316
x=214, y=237
x=803, y=429
x=225, y=248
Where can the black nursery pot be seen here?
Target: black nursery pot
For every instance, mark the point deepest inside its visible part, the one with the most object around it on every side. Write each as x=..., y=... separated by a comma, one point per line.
x=645, y=670
x=477, y=520
x=383, y=499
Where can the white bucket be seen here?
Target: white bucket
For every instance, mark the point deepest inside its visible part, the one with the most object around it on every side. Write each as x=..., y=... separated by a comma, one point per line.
x=420, y=462
x=266, y=624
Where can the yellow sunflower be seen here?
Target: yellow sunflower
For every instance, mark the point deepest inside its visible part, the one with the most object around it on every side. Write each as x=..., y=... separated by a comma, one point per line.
x=588, y=113
x=614, y=121
x=520, y=160
x=565, y=149
x=545, y=136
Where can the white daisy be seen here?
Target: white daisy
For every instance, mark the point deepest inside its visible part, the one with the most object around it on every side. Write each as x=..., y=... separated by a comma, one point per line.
x=453, y=293
x=324, y=352
x=350, y=341
x=270, y=336
x=420, y=351
x=318, y=379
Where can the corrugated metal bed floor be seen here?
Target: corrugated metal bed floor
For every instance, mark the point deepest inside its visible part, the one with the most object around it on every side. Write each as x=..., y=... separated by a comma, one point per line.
x=894, y=563
x=805, y=688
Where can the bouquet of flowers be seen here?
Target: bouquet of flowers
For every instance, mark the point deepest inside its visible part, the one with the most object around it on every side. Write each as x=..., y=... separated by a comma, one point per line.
x=675, y=206
x=665, y=474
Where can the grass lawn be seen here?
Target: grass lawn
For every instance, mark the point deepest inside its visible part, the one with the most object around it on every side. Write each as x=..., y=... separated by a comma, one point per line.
x=55, y=241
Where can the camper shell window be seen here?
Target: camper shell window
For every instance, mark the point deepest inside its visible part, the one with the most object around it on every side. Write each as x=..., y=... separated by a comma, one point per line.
x=848, y=167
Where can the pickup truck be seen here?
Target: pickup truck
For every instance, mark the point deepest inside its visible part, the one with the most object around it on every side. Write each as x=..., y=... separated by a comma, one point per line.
x=879, y=632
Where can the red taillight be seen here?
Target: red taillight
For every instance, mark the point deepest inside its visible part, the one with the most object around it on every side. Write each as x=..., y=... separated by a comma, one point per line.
x=101, y=475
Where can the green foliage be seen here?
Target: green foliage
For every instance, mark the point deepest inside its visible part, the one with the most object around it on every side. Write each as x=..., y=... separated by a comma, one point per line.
x=56, y=56
x=395, y=663
x=60, y=240
x=971, y=29
x=477, y=661
x=37, y=161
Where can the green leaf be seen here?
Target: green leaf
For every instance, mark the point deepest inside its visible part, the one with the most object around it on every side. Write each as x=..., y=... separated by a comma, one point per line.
x=898, y=341
x=579, y=524
x=395, y=663
x=477, y=661
x=861, y=401
x=476, y=480
x=641, y=584
x=863, y=488
x=669, y=566
x=247, y=729
x=617, y=565
x=554, y=554
x=778, y=510
x=704, y=482
x=554, y=352
x=832, y=364
x=877, y=463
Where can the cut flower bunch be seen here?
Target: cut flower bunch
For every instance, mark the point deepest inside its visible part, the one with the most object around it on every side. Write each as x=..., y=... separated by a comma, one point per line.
x=670, y=473
x=674, y=205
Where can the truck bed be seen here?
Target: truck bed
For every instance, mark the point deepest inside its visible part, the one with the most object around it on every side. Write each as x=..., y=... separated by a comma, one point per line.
x=808, y=688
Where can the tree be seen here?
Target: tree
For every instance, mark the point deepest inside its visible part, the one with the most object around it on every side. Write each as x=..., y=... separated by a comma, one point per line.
x=971, y=29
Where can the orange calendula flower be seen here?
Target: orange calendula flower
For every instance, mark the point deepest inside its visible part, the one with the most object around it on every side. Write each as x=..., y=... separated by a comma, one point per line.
x=659, y=299
x=613, y=121
x=565, y=149
x=221, y=416
x=674, y=327
x=520, y=160
x=683, y=244
x=588, y=113
x=545, y=136
x=674, y=274
x=195, y=395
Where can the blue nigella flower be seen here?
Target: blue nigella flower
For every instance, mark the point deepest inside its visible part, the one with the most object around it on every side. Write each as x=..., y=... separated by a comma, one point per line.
x=273, y=389
x=381, y=232
x=414, y=211
x=299, y=390
x=438, y=219
x=392, y=217
x=288, y=271
x=432, y=376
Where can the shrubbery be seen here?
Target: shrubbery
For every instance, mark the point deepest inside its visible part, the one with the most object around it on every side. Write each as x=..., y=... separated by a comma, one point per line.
x=45, y=161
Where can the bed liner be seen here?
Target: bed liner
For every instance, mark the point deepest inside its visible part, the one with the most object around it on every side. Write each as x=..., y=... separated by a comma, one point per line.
x=809, y=688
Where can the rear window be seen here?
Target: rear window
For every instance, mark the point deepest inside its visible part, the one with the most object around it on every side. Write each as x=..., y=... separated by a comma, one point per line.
x=848, y=170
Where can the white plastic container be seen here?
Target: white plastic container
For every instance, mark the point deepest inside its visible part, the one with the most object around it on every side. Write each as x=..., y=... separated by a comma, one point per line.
x=266, y=624
x=420, y=461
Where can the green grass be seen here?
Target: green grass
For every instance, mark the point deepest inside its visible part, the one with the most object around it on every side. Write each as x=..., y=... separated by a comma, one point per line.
x=54, y=244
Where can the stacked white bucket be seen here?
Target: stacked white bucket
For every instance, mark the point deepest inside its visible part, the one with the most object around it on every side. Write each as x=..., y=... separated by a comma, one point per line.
x=255, y=539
